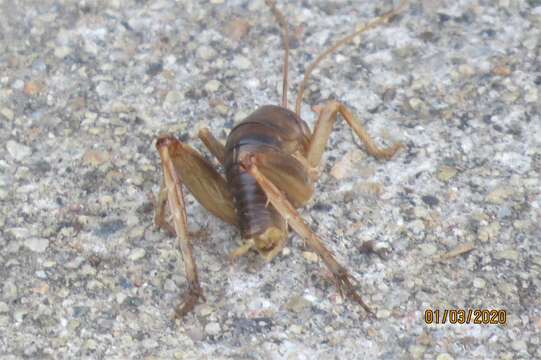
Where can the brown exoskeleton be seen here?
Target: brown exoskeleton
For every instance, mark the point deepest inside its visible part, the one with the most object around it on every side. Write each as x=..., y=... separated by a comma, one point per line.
x=269, y=160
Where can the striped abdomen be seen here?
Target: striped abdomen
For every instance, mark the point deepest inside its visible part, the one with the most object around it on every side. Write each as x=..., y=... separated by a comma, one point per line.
x=270, y=129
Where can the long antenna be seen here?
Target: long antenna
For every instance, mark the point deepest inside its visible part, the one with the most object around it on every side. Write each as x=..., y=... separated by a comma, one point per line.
x=372, y=24
x=285, y=39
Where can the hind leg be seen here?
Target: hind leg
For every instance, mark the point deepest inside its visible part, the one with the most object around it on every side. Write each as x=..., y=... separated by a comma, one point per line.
x=175, y=199
x=181, y=165
x=342, y=278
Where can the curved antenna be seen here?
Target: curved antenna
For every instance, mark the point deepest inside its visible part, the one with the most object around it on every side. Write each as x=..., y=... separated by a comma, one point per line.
x=280, y=19
x=372, y=24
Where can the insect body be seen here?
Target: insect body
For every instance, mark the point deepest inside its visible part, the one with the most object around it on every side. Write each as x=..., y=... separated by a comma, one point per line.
x=274, y=133
x=269, y=160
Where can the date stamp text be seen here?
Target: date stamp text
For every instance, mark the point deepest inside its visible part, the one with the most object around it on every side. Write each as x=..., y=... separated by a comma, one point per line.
x=468, y=316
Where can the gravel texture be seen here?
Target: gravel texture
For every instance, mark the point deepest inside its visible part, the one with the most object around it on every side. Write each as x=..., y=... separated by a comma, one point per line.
x=454, y=219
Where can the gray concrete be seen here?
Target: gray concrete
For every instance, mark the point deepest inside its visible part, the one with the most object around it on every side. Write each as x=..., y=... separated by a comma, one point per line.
x=85, y=88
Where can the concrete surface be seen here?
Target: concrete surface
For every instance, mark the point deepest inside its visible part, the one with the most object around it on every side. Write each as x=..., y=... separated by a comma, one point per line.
x=85, y=88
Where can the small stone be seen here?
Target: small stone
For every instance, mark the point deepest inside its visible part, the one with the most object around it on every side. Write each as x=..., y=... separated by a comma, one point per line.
x=346, y=166
x=120, y=131
x=36, y=244
x=91, y=116
x=62, y=51
x=106, y=200
x=295, y=329
x=75, y=263
x=120, y=297
x=369, y=188
x=120, y=107
x=206, y=52
x=42, y=288
x=519, y=345
x=241, y=62
x=532, y=94
x=371, y=332
x=417, y=227
x=94, y=285
x=73, y=325
x=444, y=356
x=49, y=263
x=222, y=109
x=18, y=232
x=383, y=314
x=416, y=104
x=137, y=254
x=18, y=84
x=4, y=320
x=95, y=157
x=150, y=344
x=501, y=70
x=195, y=333
x=32, y=88
x=154, y=69
x=212, y=85
x=137, y=232
x=205, y=310
x=310, y=256
x=105, y=89
x=508, y=254
x=88, y=270
x=537, y=323
x=237, y=29
x=90, y=344
x=445, y=173
x=430, y=200
x=7, y=113
x=297, y=304
x=19, y=314
x=520, y=224
x=428, y=249
x=466, y=70
x=479, y=283
x=417, y=351
x=18, y=151
x=498, y=195
x=213, y=328
x=460, y=249
x=4, y=308
x=9, y=291
x=172, y=99
x=489, y=232
x=532, y=42
x=421, y=212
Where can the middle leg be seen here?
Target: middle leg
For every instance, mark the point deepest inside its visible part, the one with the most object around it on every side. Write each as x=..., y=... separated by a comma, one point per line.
x=214, y=145
x=327, y=117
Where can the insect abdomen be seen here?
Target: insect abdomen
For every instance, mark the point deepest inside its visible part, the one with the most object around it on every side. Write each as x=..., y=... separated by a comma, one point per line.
x=268, y=129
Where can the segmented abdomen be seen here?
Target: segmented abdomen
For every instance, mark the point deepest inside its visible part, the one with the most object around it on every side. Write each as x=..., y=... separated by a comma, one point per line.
x=270, y=128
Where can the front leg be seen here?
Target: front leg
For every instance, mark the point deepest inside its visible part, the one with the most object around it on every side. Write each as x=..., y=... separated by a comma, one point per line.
x=175, y=199
x=342, y=278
